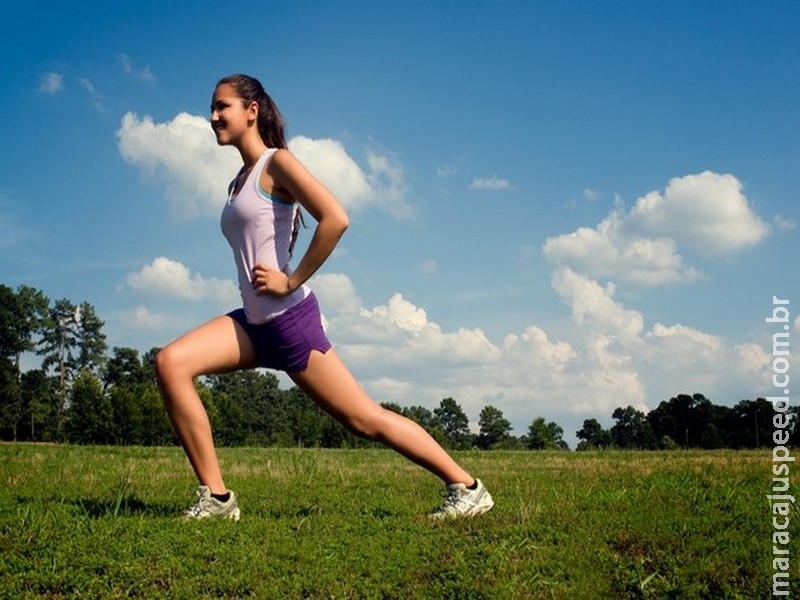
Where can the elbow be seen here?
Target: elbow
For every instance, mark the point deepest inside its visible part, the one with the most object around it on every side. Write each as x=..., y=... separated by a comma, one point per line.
x=342, y=222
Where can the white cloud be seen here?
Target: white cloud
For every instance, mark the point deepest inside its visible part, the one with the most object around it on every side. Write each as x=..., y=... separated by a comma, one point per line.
x=94, y=94
x=143, y=318
x=533, y=349
x=490, y=183
x=388, y=183
x=51, y=83
x=682, y=343
x=144, y=73
x=167, y=278
x=751, y=358
x=593, y=306
x=707, y=211
x=590, y=195
x=183, y=155
x=329, y=162
x=609, y=251
x=396, y=333
x=382, y=185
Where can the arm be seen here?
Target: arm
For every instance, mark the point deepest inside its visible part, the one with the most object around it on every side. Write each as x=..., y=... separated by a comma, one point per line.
x=291, y=179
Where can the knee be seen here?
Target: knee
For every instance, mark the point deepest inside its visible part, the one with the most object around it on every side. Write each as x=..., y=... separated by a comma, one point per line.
x=168, y=365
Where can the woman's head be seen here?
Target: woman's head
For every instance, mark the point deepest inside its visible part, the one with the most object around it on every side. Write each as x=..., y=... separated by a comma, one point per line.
x=270, y=120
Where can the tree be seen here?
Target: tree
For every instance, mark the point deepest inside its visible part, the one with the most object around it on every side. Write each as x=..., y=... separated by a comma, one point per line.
x=688, y=421
x=749, y=424
x=72, y=341
x=455, y=424
x=91, y=340
x=306, y=419
x=592, y=435
x=127, y=428
x=89, y=417
x=262, y=405
x=124, y=369
x=794, y=427
x=40, y=402
x=546, y=436
x=156, y=427
x=494, y=428
x=631, y=429
x=10, y=400
x=21, y=316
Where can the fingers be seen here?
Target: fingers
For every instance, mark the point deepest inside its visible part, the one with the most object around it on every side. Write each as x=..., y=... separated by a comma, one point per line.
x=267, y=280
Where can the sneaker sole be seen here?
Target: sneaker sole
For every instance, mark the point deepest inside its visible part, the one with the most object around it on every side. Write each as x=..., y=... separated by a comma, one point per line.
x=473, y=512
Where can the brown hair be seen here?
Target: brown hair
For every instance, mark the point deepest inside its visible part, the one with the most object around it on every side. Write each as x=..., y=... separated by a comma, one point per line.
x=270, y=121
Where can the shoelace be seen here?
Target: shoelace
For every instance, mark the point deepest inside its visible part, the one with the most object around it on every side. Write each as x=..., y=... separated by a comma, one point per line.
x=198, y=508
x=450, y=499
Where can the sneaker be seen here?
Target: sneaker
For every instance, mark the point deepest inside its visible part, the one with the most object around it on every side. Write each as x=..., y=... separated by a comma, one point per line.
x=208, y=506
x=461, y=501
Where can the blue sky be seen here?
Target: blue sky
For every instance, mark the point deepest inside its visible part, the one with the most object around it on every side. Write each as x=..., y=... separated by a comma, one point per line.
x=556, y=208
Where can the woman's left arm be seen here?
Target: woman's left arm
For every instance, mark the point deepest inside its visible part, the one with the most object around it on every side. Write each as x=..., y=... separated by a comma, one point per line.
x=288, y=174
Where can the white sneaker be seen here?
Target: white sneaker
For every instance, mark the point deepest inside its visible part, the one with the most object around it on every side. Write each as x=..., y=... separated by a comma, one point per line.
x=461, y=501
x=208, y=506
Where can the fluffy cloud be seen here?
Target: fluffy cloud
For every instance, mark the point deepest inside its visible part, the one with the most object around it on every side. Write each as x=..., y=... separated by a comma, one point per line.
x=168, y=278
x=706, y=212
x=609, y=251
x=183, y=155
x=382, y=184
x=593, y=306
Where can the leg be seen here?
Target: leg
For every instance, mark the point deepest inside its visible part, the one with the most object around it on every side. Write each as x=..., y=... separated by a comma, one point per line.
x=328, y=381
x=219, y=346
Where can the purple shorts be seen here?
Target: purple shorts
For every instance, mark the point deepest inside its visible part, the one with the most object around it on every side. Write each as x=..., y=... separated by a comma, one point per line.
x=285, y=343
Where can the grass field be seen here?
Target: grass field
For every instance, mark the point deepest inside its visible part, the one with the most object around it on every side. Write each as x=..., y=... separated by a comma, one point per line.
x=100, y=522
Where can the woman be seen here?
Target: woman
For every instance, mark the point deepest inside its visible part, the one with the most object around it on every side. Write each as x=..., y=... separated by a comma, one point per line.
x=279, y=326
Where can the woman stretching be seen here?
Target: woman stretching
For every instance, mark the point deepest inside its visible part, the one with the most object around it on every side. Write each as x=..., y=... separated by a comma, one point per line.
x=279, y=326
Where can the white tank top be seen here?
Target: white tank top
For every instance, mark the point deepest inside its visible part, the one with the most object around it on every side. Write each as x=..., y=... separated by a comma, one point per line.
x=258, y=227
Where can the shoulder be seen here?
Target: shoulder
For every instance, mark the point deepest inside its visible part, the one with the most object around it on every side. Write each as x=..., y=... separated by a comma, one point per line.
x=282, y=159
x=285, y=166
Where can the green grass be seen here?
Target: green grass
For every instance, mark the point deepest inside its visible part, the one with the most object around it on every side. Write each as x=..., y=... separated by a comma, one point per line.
x=99, y=522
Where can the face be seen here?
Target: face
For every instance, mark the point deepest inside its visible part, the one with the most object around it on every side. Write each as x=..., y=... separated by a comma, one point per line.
x=229, y=117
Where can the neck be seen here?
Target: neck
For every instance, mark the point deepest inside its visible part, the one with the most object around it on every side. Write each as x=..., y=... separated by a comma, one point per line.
x=251, y=151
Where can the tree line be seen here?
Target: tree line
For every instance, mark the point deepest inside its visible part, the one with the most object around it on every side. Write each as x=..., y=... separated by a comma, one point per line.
x=81, y=394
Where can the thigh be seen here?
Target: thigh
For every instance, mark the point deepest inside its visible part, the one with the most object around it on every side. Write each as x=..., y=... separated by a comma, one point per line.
x=330, y=384
x=218, y=346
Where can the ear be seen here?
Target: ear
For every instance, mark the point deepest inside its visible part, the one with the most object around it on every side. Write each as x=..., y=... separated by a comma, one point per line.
x=252, y=110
